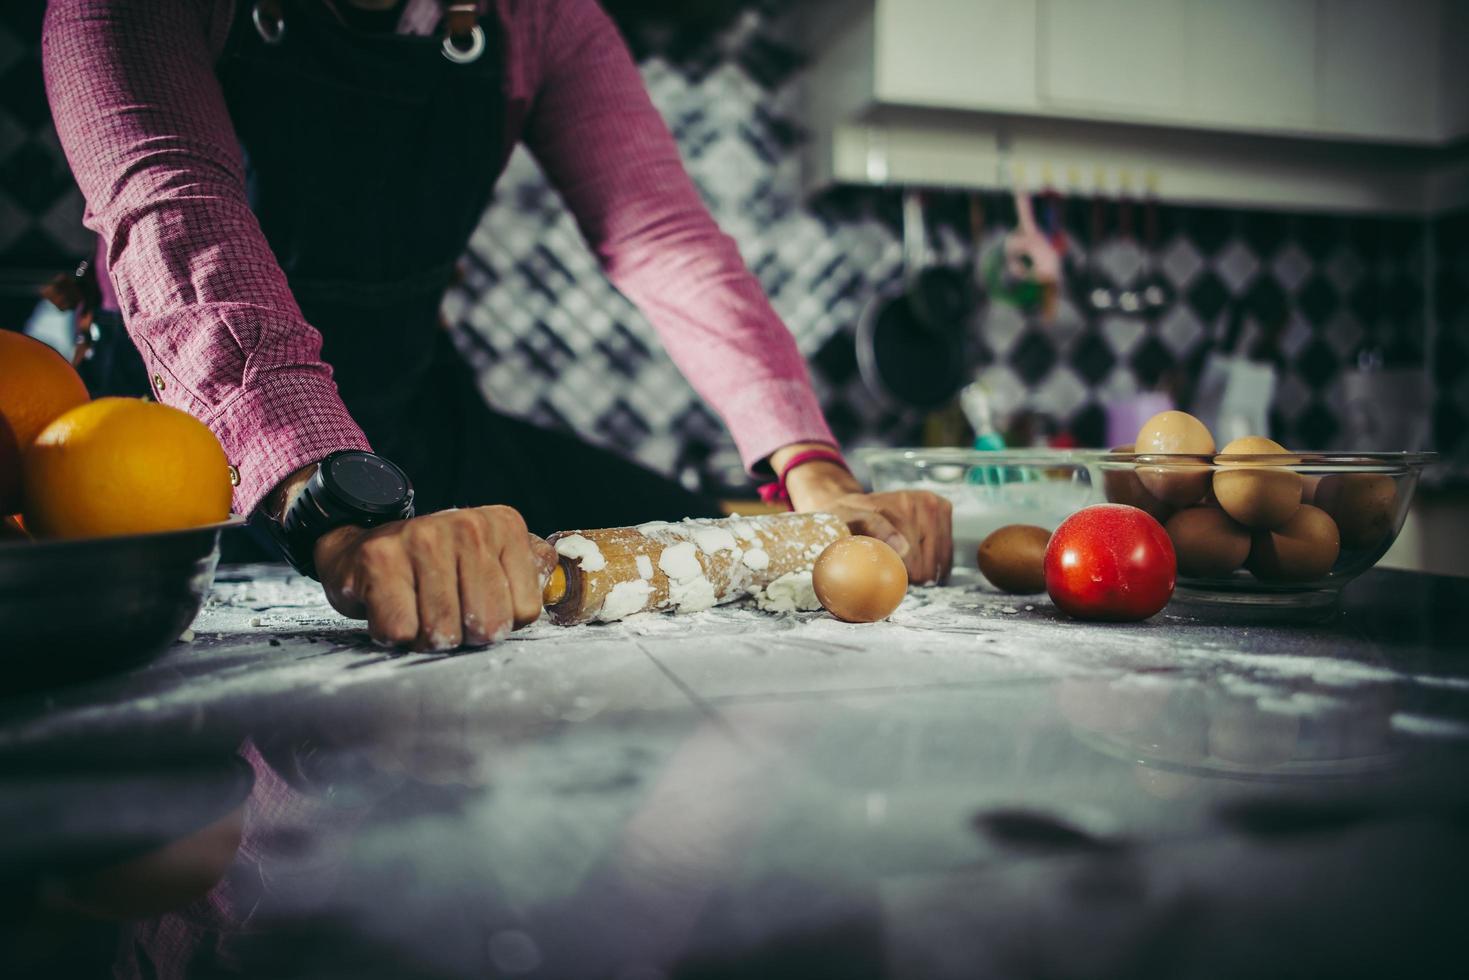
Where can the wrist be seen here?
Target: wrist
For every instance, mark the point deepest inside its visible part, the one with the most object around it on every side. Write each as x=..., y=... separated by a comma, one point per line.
x=279, y=500
x=332, y=543
x=817, y=484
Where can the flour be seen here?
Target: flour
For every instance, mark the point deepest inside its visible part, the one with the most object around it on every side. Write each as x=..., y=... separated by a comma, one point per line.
x=712, y=540
x=756, y=558
x=584, y=550
x=645, y=567
x=743, y=530
x=1300, y=703
x=792, y=592
x=1411, y=724
x=625, y=599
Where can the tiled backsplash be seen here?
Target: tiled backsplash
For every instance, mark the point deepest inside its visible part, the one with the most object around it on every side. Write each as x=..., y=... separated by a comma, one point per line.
x=40, y=208
x=554, y=341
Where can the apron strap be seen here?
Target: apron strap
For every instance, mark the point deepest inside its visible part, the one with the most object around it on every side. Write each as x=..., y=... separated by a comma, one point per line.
x=464, y=39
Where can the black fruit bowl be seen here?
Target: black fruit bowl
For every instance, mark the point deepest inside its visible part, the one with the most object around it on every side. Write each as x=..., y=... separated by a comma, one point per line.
x=75, y=609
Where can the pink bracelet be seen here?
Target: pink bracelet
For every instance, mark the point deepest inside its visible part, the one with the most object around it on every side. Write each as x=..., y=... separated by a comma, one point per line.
x=773, y=493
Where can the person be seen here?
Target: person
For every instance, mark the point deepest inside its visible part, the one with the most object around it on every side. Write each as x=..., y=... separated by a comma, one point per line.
x=282, y=189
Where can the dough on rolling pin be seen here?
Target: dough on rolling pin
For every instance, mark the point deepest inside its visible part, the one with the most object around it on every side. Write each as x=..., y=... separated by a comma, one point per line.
x=712, y=540
x=583, y=549
x=757, y=559
x=792, y=592
x=625, y=599
x=689, y=590
x=612, y=573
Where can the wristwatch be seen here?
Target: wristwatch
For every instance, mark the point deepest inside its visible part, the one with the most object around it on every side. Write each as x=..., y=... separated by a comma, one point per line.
x=348, y=487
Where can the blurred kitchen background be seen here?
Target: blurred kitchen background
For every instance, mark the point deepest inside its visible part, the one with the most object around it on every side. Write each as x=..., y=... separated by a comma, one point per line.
x=1260, y=209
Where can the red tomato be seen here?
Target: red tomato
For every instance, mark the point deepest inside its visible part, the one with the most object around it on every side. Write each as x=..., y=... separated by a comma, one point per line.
x=1110, y=561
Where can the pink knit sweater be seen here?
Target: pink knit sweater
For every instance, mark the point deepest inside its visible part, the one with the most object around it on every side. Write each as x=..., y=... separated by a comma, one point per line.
x=145, y=128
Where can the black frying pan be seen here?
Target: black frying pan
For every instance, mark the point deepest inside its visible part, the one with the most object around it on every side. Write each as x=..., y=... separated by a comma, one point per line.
x=911, y=338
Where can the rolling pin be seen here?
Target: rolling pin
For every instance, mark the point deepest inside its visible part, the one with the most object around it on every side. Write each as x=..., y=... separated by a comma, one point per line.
x=612, y=573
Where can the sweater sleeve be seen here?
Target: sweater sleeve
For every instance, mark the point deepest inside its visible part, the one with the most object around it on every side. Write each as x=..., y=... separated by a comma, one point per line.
x=603, y=144
x=144, y=125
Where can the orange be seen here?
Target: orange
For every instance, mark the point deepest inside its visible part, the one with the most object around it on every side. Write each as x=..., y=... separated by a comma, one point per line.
x=123, y=466
x=36, y=385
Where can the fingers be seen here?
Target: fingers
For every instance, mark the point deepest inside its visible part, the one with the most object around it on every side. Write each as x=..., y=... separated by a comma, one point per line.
x=383, y=577
x=484, y=602
x=439, y=581
x=917, y=524
x=520, y=565
x=436, y=577
x=932, y=520
x=544, y=556
x=944, y=535
x=875, y=525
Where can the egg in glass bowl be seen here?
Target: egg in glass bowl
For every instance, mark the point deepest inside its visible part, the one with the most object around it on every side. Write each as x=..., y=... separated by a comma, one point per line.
x=1261, y=527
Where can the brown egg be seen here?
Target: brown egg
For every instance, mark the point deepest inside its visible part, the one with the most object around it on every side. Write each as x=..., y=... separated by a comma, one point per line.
x=1303, y=548
x=1121, y=486
x=1175, y=433
x=1362, y=504
x=1308, y=488
x=1208, y=544
x=1256, y=495
x=860, y=579
x=1013, y=558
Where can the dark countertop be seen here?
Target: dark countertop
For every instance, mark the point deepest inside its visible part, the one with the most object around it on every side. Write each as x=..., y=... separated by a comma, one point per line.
x=975, y=788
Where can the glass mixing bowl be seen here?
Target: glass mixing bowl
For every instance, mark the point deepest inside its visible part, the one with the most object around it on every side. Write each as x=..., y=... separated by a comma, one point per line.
x=1365, y=496
x=990, y=489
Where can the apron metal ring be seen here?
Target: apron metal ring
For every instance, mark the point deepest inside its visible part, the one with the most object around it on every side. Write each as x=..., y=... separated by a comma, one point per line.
x=463, y=56
x=269, y=33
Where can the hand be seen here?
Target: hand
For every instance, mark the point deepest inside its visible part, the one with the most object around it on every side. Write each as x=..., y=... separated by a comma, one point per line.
x=917, y=524
x=458, y=577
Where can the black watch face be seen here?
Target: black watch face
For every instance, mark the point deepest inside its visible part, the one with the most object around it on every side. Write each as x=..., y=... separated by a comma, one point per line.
x=367, y=481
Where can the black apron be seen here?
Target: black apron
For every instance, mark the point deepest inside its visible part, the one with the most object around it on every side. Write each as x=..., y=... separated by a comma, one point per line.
x=370, y=159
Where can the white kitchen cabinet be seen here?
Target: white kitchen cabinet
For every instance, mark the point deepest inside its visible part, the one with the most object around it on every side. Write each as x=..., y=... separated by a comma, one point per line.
x=1251, y=63
x=1379, y=68
x=1119, y=57
x=1355, y=69
x=957, y=54
x=1332, y=103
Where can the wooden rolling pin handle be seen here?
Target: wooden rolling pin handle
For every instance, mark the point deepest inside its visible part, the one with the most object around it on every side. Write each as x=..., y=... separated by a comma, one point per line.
x=555, y=589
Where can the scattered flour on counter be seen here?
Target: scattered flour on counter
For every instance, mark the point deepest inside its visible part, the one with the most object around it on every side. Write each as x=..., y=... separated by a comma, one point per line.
x=712, y=540
x=1327, y=671
x=1299, y=703
x=1411, y=724
x=757, y=559
x=256, y=621
x=743, y=530
x=625, y=599
x=653, y=528
x=645, y=566
x=583, y=549
x=681, y=561
x=792, y=592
